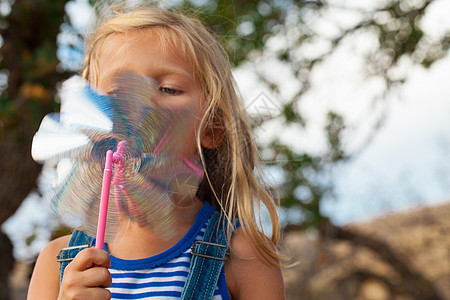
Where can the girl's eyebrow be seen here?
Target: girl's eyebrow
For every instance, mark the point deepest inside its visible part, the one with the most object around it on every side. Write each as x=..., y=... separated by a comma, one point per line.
x=172, y=70
x=156, y=73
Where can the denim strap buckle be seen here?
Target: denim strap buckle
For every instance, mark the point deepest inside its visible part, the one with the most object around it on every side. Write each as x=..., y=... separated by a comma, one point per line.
x=213, y=245
x=64, y=255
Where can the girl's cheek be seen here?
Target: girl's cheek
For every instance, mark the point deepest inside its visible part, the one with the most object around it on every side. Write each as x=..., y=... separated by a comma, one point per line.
x=189, y=139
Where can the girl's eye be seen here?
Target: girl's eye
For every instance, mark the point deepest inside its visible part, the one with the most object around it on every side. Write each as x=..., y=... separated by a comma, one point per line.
x=169, y=91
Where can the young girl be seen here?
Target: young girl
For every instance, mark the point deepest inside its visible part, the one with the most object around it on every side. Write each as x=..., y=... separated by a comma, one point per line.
x=192, y=71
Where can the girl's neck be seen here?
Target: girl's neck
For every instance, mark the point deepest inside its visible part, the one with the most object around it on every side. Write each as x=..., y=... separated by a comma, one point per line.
x=134, y=241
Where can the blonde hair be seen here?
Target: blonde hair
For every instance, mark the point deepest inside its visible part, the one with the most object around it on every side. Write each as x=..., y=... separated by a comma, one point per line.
x=230, y=182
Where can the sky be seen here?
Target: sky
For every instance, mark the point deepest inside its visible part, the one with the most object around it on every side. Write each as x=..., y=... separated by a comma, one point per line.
x=405, y=166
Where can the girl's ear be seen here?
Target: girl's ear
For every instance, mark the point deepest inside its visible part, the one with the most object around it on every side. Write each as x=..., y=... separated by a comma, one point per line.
x=211, y=137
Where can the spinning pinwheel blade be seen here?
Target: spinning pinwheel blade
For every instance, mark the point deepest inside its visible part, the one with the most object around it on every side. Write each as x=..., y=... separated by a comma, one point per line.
x=150, y=175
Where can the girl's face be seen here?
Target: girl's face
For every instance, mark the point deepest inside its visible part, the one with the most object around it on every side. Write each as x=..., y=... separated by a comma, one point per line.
x=143, y=52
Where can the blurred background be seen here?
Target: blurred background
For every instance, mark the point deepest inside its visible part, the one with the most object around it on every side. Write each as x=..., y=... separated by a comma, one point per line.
x=350, y=102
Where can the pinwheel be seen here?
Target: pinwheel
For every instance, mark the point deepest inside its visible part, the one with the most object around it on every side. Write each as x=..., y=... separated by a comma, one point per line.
x=150, y=175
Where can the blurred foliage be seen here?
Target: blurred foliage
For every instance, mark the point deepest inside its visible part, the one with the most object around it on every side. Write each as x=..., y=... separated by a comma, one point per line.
x=29, y=76
x=61, y=231
x=242, y=26
x=396, y=28
x=28, y=79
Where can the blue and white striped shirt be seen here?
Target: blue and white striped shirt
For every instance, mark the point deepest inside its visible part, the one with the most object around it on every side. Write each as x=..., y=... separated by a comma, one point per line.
x=162, y=276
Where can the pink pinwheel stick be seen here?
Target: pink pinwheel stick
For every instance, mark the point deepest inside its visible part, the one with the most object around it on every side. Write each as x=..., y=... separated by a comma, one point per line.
x=103, y=211
x=106, y=186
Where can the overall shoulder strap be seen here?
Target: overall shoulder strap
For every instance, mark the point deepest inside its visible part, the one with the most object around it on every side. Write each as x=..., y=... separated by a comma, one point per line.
x=78, y=241
x=208, y=257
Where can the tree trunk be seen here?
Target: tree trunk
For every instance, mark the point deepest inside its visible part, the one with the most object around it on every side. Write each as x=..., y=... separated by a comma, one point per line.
x=18, y=170
x=6, y=263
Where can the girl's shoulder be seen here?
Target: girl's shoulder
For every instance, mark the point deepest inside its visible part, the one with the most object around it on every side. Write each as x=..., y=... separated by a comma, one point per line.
x=44, y=282
x=249, y=276
x=51, y=250
x=57, y=244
